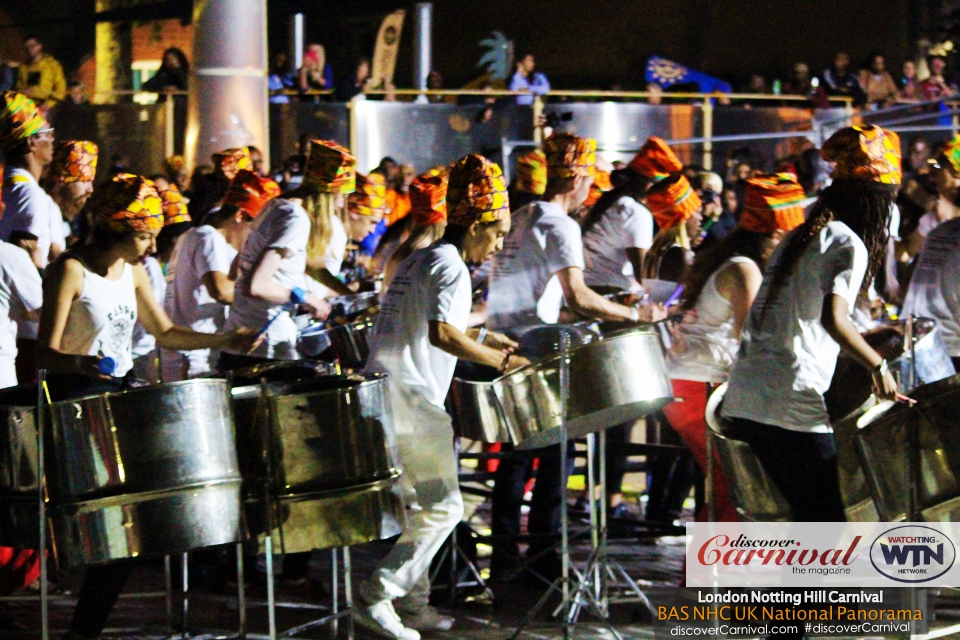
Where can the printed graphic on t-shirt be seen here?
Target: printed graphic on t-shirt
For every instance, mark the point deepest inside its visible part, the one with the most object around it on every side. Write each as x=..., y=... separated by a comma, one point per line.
x=119, y=336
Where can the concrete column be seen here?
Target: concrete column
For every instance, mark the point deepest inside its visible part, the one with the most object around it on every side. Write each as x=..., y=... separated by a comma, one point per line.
x=114, y=56
x=228, y=87
x=296, y=41
x=422, y=46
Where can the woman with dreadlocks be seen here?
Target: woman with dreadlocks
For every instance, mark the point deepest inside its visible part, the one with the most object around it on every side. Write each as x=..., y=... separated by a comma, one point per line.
x=801, y=320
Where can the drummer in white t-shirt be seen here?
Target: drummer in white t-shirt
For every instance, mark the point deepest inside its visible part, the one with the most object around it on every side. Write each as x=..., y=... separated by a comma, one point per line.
x=618, y=231
x=801, y=321
x=199, y=284
x=540, y=266
x=420, y=334
x=272, y=265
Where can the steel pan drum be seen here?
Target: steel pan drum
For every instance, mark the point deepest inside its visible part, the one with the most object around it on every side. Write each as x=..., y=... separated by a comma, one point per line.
x=19, y=509
x=330, y=450
x=883, y=449
x=857, y=500
x=611, y=382
x=142, y=473
x=353, y=304
x=754, y=495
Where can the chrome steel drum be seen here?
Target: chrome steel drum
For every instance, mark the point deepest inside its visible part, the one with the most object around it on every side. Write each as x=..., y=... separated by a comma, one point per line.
x=754, y=495
x=313, y=340
x=19, y=509
x=883, y=448
x=857, y=500
x=611, y=382
x=277, y=371
x=141, y=473
x=353, y=304
x=933, y=361
x=351, y=342
x=330, y=448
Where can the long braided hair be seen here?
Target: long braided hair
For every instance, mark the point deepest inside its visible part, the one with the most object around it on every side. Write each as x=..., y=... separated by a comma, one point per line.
x=862, y=205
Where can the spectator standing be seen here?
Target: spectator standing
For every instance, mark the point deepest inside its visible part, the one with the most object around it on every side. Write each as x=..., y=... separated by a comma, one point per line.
x=281, y=79
x=935, y=87
x=909, y=84
x=839, y=80
x=41, y=76
x=526, y=79
x=8, y=76
x=799, y=83
x=316, y=74
x=354, y=84
x=173, y=75
x=435, y=82
x=877, y=83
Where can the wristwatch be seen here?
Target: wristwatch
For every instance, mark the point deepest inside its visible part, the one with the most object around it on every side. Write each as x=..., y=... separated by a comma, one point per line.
x=881, y=369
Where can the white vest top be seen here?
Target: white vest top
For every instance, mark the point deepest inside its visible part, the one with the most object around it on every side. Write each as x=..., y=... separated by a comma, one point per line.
x=102, y=318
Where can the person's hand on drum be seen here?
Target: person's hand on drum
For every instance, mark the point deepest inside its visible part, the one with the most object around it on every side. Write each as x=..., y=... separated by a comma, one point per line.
x=243, y=340
x=654, y=312
x=884, y=384
x=90, y=367
x=513, y=362
x=496, y=340
x=318, y=307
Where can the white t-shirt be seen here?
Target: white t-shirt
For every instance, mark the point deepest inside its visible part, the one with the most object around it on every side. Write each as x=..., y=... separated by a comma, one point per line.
x=30, y=210
x=935, y=286
x=524, y=289
x=785, y=364
x=432, y=284
x=285, y=226
x=143, y=342
x=21, y=297
x=199, y=251
x=625, y=225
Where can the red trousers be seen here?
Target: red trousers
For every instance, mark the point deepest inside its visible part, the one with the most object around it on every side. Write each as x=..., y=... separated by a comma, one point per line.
x=687, y=419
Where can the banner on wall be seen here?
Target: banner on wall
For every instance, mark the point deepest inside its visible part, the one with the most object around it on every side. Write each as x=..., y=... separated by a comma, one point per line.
x=385, y=51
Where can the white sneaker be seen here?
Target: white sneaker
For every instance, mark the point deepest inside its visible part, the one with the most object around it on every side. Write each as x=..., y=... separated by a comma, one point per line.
x=384, y=621
x=427, y=619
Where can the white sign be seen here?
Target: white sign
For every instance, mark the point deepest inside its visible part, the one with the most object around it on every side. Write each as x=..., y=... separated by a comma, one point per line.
x=822, y=554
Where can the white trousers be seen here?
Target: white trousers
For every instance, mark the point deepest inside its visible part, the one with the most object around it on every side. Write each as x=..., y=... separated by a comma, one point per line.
x=432, y=494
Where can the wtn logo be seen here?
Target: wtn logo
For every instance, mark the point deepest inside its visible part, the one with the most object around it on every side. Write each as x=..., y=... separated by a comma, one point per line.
x=912, y=554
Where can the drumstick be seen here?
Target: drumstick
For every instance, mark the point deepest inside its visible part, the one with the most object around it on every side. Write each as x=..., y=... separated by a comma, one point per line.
x=906, y=399
x=674, y=297
x=287, y=307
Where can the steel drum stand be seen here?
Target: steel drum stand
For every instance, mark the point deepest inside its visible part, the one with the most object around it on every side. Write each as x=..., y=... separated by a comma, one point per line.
x=570, y=603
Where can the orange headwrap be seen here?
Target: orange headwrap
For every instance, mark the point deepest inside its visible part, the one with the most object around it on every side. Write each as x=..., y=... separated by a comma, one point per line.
x=601, y=183
x=772, y=202
x=174, y=206
x=74, y=161
x=951, y=151
x=428, y=199
x=330, y=168
x=250, y=192
x=19, y=119
x=532, y=173
x=476, y=192
x=569, y=156
x=864, y=153
x=126, y=203
x=175, y=164
x=672, y=202
x=370, y=198
x=655, y=160
x=229, y=161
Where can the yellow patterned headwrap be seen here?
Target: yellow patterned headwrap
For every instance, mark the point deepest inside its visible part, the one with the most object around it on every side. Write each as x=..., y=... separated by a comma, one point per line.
x=370, y=198
x=569, y=156
x=330, y=168
x=476, y=192
x=951, y=151
x=656, y=160
x=672, y=201
x=19, y=119
x=864, y=153
x=229, y=161
x=126, y=203
x=174, y=206
x=601, y=184
x=74, y=161
x=532, y=173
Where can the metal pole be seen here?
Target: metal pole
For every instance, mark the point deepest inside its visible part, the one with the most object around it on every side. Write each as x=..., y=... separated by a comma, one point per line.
x=422, y=47
x=591, y=500
x=707, y=134
x=241, y=594
x=537, y=115
x=564, y=514
x=44, y=578
x=296, y=41
x=334, y=588
x=168, y=587
x=348, y=590
x=168, y=131
x=186, y=598
x=604, y=593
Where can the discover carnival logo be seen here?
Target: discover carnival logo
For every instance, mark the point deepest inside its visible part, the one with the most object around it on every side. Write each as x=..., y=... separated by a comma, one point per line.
x=912, y=554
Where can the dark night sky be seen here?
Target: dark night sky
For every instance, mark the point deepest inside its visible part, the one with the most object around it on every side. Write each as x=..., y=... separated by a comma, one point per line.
x=591, y=43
